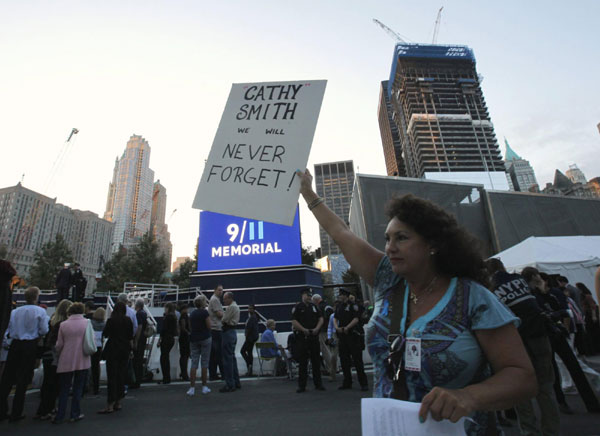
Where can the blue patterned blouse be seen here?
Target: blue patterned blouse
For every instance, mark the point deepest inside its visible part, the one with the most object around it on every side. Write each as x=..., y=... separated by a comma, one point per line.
x=450, y=354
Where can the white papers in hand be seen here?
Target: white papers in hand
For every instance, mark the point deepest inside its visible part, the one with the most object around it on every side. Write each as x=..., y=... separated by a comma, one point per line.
x=387, y=417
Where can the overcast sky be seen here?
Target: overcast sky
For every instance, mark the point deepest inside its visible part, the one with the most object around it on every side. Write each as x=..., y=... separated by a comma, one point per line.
x=163, y=70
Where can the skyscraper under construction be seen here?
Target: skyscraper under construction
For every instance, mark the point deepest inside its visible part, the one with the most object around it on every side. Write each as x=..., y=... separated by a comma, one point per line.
x=433, y=119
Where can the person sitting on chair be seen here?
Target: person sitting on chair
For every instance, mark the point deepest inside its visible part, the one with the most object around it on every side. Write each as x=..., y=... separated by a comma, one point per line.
x=277, y=351
x=269, y=336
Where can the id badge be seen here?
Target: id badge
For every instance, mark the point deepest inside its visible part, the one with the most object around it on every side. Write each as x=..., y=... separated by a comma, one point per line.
x=412, y=354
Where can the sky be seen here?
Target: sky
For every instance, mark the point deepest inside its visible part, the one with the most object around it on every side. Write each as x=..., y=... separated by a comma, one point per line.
x=163, y=70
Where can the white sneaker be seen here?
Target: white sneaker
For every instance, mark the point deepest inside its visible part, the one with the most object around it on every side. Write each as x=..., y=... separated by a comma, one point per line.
x=205, y=389
x=191, y=392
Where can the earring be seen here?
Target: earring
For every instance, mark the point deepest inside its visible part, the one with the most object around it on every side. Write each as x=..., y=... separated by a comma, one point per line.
x=432, y=252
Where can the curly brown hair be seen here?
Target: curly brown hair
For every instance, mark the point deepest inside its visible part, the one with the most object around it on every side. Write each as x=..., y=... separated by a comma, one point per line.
x=457, y=252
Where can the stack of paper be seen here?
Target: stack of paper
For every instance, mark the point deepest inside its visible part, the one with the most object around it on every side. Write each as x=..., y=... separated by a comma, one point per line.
x=387, y=417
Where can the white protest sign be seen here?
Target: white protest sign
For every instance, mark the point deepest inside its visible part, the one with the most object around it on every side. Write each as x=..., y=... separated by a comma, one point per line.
x=264, y=136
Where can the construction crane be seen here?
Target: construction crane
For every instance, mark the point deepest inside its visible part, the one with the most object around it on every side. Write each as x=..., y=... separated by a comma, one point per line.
x=390, y=32
x=171, y=216
x=25, y=232
x=436, y=28
x=402, y=39
x=56, y=166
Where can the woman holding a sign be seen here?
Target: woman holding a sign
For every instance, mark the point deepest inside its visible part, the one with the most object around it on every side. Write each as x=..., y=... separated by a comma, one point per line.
x=436, y=334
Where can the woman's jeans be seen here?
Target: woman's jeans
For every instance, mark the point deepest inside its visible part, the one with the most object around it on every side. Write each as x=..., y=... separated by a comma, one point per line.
x=77, y=378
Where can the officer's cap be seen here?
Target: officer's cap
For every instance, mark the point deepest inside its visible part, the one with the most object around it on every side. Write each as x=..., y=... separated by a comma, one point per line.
x=306, y=291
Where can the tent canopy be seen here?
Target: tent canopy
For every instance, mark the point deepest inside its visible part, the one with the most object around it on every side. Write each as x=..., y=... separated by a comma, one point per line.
x=575, y=257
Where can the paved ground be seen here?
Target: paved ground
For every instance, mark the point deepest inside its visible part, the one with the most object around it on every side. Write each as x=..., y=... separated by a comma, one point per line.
x=264, y=406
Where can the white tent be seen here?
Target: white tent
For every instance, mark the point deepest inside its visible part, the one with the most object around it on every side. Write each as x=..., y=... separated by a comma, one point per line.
x=575, y=257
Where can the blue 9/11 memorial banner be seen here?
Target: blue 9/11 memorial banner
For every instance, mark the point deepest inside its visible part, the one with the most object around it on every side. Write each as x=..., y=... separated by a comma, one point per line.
x=229, y=242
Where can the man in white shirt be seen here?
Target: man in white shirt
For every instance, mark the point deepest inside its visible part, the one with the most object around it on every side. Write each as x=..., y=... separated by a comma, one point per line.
x=215, y=313
x=27, y=325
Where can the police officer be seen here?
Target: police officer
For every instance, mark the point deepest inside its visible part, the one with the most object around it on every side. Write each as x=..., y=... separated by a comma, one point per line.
x=345, y=321
x=307, y=320
x=363, y=318
x=79, y=282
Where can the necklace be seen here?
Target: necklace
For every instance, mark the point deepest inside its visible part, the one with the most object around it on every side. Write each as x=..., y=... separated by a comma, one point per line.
x=413, y=297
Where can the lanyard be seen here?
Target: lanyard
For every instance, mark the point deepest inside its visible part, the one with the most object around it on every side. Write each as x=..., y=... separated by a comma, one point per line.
x=398, y=307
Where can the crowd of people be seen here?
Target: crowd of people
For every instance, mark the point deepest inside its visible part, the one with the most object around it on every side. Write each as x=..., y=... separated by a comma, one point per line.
x=206, y=333
x=460, y=335
x=453, y=335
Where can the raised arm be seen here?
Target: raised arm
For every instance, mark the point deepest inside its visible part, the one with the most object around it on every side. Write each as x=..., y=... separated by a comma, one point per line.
x=362, y=256
x=597, y=284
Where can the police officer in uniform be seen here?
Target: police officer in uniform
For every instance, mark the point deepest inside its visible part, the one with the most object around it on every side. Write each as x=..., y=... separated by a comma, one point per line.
x=79, y=282
x=307, y=320
x=345, y=321
x=363, y=318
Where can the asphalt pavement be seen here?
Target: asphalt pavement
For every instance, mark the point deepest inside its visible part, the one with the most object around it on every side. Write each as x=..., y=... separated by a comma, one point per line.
x=263, y=406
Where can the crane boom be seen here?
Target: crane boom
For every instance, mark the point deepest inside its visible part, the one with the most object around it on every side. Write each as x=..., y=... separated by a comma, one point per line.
x=436, y=28
x=389, y=31
x=24, y=233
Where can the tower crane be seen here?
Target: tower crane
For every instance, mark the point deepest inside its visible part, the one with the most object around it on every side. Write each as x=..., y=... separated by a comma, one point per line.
x=389, y=31
x=171, y=216
x=436, y=28
x=57, y=165
x=23, y=235
x=399, y=38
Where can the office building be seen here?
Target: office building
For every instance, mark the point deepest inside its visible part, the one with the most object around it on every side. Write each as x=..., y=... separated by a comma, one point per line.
x=157, y=222
x=180, y=260
x=594, y=186
x=437, y=106
x=520, y=171
x=28, y=220
x=390, y=137
x=129, y=202
x=564, y=186
x=334, y=181
x=575, y=175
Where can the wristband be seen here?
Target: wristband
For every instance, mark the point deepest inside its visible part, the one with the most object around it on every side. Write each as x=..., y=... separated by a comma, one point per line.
x=315, y=203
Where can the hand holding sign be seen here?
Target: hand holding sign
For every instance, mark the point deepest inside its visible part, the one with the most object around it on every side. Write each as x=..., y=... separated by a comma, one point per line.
x=265, y=134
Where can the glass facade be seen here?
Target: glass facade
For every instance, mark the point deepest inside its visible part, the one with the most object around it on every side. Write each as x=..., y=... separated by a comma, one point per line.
x=334, y=181
x=129, y=203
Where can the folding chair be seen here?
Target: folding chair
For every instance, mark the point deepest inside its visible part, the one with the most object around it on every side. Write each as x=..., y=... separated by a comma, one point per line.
x=263, y=346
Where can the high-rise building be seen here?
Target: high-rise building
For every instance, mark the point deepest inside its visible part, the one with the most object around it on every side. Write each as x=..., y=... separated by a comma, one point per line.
x=594, y=186
x=576, y=175
x=157, y=224
x=178, y=262
x=437, y=106
x=390, y=137
x=334, y=181
x=519, y=170
x=28, y=220
x=129, y=202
